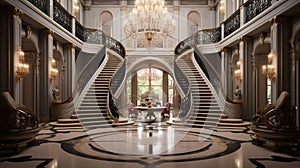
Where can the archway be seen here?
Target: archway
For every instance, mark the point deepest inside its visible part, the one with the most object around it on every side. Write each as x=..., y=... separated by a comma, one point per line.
x=161, y=88
x=105, y=22
x=30, y=82
x=58, y=81
x=263, y=87
x=194, y=21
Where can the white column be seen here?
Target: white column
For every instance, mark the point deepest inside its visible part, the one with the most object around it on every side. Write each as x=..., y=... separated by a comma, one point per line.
x=225, y=68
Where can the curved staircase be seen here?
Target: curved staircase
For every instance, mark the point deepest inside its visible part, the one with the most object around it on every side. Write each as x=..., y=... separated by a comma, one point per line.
x=206, y=111
x=92, y=111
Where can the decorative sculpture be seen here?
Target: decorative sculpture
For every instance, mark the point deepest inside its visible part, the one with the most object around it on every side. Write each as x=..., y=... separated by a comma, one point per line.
x=275, y=123
x=18, y=124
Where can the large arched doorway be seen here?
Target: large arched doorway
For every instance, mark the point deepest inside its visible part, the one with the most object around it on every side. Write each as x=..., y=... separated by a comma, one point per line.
x=152, y=84
x=152, y=77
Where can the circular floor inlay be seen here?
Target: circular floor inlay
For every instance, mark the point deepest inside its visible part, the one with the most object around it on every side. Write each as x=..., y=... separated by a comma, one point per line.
x=161, y=147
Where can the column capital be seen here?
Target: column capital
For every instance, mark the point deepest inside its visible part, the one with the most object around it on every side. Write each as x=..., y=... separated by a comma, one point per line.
x=212, y=8
x=123, y=5
x=244, y=38
x=176, y=8
x=225, y=49
x=17, y=12
x=49, y=32
x=278, y=20
x=70, y=45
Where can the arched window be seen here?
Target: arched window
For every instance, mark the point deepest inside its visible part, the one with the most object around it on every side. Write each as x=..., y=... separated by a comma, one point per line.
x=106, y=18
x=194, y=22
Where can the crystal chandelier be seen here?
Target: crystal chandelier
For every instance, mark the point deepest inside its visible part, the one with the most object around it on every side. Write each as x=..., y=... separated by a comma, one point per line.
x=149, y=17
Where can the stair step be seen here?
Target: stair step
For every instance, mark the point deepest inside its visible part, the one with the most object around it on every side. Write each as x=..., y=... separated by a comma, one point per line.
x=56, y=124
x=68, y=120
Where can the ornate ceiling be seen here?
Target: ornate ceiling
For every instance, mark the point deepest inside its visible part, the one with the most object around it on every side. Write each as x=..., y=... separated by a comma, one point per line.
x=131, y=2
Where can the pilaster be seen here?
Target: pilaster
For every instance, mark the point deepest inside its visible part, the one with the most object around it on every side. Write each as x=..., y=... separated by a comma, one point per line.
x=46, y=88
x=295, y=83
x=279, y=36
x=245, y=50
x=16, y=42
x=225, y=71
x=70, y=80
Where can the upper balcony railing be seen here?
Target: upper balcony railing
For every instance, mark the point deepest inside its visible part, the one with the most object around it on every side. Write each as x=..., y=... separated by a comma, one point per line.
x=208, y=36
x=255, y=7
x=247, y=12
x=232, y=23
x=43, y=5
x=251, y=9
x=62, y=16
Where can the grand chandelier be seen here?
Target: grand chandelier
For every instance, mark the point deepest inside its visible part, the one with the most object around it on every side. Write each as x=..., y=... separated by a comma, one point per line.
x=149, y=17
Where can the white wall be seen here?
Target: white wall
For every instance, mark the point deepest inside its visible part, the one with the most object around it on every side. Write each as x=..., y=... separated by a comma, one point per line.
x=120, y=16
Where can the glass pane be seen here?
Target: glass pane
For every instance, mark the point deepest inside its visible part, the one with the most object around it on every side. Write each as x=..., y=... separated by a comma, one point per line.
x=150, y=77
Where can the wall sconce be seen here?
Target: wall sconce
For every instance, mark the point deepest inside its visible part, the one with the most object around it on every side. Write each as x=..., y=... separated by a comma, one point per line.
x=269, y=69
x=238, y=71
x=53, y=70
x=222, y=7
x=75, y=7
x=22, y=69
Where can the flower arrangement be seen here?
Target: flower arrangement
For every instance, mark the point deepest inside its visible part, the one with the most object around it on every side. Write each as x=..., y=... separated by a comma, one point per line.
x=146, y=104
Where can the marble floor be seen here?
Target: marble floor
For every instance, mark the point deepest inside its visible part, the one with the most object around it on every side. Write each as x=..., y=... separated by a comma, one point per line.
x=148, y=145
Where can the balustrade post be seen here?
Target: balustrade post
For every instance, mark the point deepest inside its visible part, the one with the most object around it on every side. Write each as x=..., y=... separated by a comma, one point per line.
x=242, y=15
x=222, y=31
x=74, y=25
x=51, y=9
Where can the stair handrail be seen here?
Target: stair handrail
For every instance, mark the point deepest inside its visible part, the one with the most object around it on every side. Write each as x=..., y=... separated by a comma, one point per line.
x=182, y=80
x=84, y=72
x=113, y=109
x=117, y=82
x=210, y=73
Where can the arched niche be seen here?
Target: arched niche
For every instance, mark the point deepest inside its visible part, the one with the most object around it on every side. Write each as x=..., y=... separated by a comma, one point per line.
x=30, y=84
x=263, y=95
x=194, y=22
x=105, y=22
x=58, y=81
